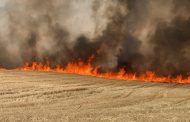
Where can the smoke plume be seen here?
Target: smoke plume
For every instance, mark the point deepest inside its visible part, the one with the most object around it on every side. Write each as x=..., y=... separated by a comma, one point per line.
x=138, y=35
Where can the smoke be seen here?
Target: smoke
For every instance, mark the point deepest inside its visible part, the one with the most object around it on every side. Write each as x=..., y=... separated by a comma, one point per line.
x=138, y=35
x=34, y=30
x=172, y=46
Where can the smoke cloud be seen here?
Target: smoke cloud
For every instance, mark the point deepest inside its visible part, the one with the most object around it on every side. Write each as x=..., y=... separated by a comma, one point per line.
x=138, y=35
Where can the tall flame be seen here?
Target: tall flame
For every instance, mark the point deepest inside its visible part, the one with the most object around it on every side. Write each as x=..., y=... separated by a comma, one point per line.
x=83, y=68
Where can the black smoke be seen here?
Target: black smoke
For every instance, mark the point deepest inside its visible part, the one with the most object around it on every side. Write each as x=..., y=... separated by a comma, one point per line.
x=172, y=47
x=138, y=35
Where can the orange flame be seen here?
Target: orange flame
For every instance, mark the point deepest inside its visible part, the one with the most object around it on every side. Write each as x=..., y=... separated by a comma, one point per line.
x=82, y=68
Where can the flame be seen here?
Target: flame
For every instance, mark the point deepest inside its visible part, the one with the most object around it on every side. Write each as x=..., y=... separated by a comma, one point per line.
x=83, y=68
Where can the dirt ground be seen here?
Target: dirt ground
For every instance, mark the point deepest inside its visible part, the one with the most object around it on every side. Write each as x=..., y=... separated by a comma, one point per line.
x=57, y=97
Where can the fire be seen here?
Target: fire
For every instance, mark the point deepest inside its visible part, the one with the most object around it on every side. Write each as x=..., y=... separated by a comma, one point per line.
x=83, y=68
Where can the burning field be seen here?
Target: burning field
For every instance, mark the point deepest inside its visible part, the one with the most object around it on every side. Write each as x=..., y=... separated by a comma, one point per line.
x=143, y=45
x=124, y=39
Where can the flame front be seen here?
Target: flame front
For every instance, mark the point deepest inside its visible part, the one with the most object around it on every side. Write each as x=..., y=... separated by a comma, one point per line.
x=87, y=69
